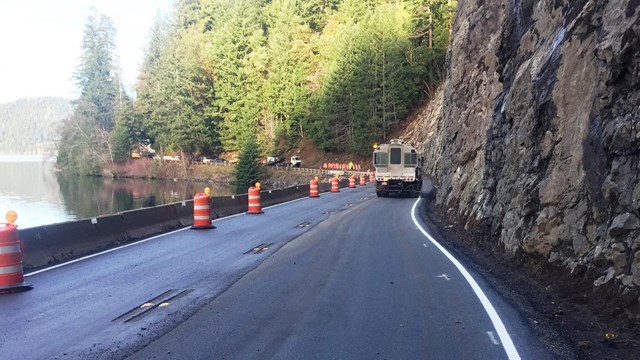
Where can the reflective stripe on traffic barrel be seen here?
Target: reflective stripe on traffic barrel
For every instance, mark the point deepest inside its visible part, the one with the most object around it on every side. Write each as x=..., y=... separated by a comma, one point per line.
x=11, y=272
x=255, y=207
x=202, y=212
x=313, y=188
x=335, y=185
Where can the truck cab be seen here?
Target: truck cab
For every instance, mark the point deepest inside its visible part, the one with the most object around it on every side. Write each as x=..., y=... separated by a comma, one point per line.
x=296, y=161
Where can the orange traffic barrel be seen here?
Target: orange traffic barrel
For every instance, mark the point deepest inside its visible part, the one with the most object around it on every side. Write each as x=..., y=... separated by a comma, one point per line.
x=202, y=212
x=363, y=182
x=352, y=182
x=372, y=177
x=255, y=207
x=11, y=273
x=313, y=188
x=334, y=185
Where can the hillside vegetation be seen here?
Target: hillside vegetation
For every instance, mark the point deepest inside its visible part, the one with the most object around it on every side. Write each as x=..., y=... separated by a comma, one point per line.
x=28, y=126
x=343, y=73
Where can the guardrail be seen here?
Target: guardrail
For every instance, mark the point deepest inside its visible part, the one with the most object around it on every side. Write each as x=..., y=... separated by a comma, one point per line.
x=48, y=245
x=301, y=170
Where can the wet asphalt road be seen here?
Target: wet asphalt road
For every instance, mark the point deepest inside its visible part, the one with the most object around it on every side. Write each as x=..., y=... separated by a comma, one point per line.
x=344, y=276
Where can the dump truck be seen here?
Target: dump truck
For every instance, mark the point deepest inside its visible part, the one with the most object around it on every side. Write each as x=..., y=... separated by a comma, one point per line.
x=398, y=169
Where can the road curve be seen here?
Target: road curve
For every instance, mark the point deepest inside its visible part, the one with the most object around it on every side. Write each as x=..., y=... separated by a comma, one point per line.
x=345, y=276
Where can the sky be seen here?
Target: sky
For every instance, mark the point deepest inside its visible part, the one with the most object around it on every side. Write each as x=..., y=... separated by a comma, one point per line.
x=40, y=42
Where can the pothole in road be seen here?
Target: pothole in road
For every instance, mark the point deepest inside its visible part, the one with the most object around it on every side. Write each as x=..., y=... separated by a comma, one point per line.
x=160, y=301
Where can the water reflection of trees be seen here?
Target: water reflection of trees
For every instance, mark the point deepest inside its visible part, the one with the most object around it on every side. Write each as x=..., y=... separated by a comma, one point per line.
x=88, y=196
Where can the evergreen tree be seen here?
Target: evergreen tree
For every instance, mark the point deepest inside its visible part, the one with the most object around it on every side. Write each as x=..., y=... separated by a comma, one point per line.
x=176, y=89
x=127, y=131
x=317, y=12
x=96, y=75
x=286, y=89
x=85, y=136
x=150, y=81
x=121, y=143
x=370, y=75
x=248, y=170
x=232, y=51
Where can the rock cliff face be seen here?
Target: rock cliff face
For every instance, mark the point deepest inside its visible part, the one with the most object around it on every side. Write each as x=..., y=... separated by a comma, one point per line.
x=538, y=137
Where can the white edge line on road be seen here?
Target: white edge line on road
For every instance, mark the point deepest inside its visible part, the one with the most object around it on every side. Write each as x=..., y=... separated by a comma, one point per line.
x=140, y=242
x=507, y=343
x=101, y=253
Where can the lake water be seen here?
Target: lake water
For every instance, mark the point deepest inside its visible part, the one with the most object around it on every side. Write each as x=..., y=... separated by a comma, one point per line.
x=30, y=186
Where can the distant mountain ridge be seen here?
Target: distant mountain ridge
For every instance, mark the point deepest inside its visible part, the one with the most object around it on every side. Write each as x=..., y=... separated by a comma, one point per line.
x=30, y=126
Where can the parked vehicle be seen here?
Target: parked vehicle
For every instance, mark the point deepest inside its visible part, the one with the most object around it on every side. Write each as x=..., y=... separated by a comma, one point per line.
x=171, y=158
x=208, y=160
x=296, y=161
x=274, y=161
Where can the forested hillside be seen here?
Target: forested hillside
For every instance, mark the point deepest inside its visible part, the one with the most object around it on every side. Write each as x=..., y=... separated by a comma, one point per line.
x=342, y=73
x=28, y=126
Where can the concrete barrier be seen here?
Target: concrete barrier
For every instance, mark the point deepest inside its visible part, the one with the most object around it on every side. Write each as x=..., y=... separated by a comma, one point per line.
x=228, y=205
x=51, y=244
x=272, y=197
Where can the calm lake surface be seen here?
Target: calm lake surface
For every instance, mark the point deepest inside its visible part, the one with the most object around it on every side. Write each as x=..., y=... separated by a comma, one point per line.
x=30, y=186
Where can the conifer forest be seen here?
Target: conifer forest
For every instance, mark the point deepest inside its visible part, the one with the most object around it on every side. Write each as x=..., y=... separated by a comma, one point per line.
x=342, y=73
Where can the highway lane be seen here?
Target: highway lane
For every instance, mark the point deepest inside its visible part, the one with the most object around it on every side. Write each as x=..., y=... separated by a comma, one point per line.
x=347, y=275
x=363, y=285
x=71, y=311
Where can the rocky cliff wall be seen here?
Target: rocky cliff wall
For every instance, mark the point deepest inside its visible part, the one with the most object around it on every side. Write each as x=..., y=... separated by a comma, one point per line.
x=538, y=137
